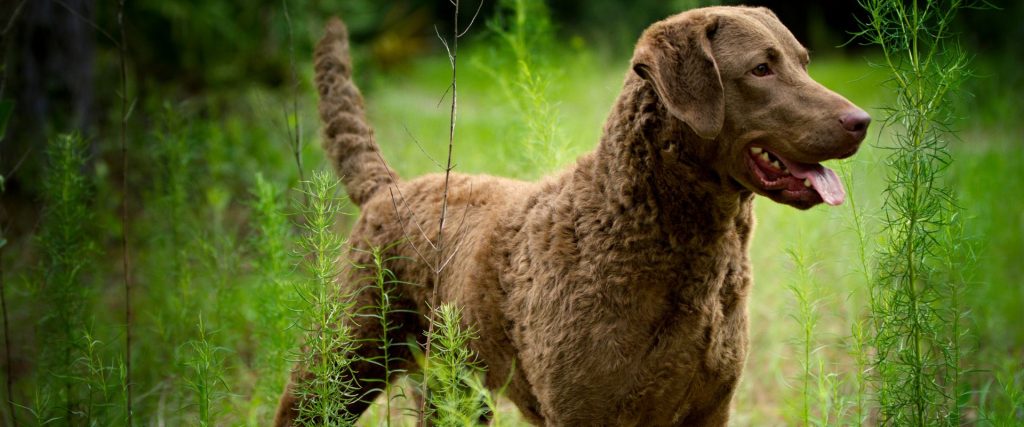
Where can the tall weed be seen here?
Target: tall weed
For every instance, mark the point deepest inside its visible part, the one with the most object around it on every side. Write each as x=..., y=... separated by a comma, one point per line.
x=525, y=31
x=916, y=315
x=326, y=316
x=274, y=298
x=69, y=247
x=454, y=401
x=383, y=281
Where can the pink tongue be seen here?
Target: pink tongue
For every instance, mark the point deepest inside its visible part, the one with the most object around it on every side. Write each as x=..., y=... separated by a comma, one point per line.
x=823, y=179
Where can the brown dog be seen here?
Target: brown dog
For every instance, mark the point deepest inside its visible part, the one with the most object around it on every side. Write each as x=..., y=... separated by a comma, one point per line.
x=615, y=292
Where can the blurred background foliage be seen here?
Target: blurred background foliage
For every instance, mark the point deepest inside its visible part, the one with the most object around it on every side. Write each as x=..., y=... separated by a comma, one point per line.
x=56, y=62
x=178, y=49
x=215, y=102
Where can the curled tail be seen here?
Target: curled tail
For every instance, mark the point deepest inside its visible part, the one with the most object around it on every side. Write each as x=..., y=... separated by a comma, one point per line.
x=348, y=137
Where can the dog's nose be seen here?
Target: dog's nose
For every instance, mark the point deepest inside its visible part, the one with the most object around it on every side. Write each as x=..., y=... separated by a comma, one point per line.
x=856, y=123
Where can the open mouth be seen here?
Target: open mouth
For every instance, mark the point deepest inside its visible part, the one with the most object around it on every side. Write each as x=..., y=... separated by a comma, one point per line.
x=804, y=184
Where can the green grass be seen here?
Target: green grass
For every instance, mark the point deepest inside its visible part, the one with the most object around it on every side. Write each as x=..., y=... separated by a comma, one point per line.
x=222, y=178
x=988, y=170
x=404, y=110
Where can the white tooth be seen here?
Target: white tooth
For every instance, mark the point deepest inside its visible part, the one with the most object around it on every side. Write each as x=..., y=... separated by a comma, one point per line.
x=807, y=183
x=776, y=164
x=764, y=156
x=756, y=150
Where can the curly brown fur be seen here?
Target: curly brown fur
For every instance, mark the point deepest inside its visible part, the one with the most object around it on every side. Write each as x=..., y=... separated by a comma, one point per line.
x=348, y=137
x=615, y=292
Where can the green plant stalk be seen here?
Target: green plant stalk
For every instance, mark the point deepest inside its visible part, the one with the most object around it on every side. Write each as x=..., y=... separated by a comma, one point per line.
x=294, y=135
x=861, y=362
x=177, y=175
x=171, y=247
x=954, y=235
x=122, y=55
x=1013, y=390
x=907, y=298
x=858, y=332
x=8, y=379
x=826, y=385
x=382, y=281
x=528, y=35
x=96, y=376
x=206, y=374
x=383, y=311
x=807, y=318
x=455, y=402
x=270, y=242
x=327, y=316
x=67, y=246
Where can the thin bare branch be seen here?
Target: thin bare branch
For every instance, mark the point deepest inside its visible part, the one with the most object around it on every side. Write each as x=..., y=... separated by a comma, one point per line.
x=294, y=138
x=404, y=231
x=458, y=246
x=465, y=213
x=458, y=232
x=5, y=42
x=14, y=17
x=441, y=99
x=451, y=58
x=405, y=203
x=452, y=52
x=420, y=146
x=17, y=165
x=92, y=24
x=479, y=6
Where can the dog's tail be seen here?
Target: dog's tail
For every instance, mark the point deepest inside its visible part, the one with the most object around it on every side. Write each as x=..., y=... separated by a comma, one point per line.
x=348, y=137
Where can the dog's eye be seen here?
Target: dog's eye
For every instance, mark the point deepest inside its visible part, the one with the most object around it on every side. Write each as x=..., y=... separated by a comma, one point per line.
x=761, y=70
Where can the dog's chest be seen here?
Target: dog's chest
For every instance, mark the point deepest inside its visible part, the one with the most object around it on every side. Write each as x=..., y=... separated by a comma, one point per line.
x=693, y=354
x=696, y=357
x=651, y=330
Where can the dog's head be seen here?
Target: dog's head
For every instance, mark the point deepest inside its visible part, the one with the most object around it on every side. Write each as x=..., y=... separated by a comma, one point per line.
x=738, y=77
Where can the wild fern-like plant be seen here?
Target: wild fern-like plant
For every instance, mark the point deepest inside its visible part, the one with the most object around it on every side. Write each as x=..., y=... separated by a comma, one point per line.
x=916, y=318
x=858, y=344
x=806, y=316
x=327, y=314
x=383, y=280
x=205, y=374
x=859, y=347
x=273, y=230
x=67, y=247
x=1001, y=399
x=525, y=29
x=174, y=198
x=100, y=381
x=169, y=233
x=273, y=297
x=169, y=260
x=453, y=399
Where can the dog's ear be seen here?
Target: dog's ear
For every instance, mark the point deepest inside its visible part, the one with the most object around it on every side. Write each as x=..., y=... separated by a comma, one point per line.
x=675, y=56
